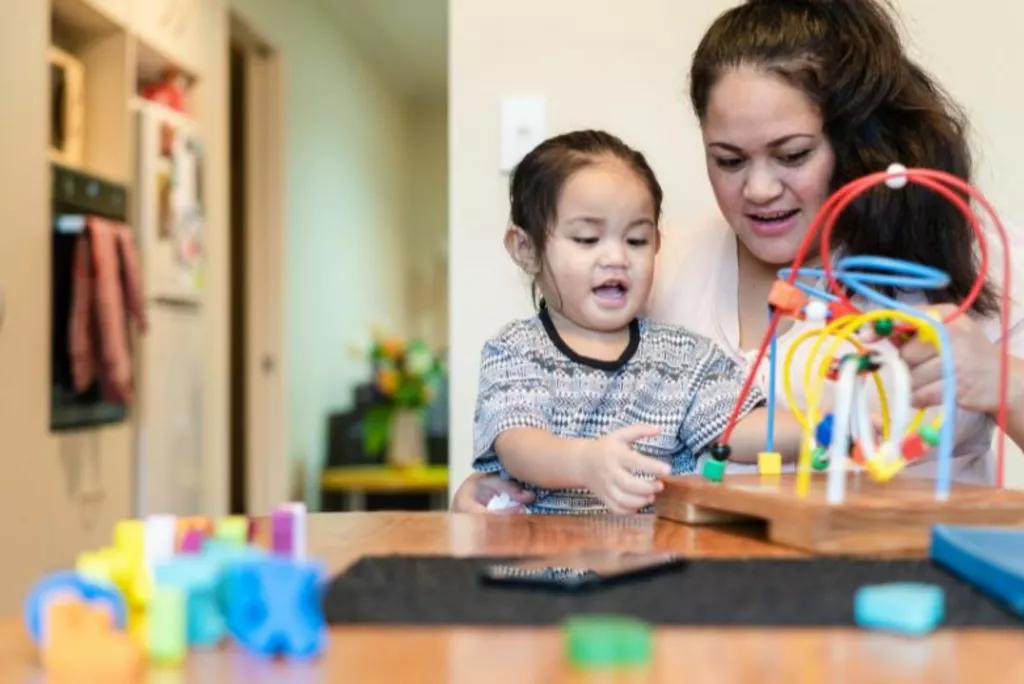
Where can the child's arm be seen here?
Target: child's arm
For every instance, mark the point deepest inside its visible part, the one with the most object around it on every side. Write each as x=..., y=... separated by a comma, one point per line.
x=536, y=456
x=551, y=462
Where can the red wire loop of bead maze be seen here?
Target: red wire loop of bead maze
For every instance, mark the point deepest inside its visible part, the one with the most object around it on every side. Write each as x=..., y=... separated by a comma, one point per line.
x=824, y=221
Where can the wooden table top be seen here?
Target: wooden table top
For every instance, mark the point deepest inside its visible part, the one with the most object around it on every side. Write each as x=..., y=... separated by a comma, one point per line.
x=517, y=656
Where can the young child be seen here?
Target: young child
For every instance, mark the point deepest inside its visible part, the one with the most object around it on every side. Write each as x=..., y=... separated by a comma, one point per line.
x=588, y=403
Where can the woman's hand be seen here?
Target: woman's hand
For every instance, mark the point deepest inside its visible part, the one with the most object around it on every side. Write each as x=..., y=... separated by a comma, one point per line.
x=975, y=360
x=477, y=490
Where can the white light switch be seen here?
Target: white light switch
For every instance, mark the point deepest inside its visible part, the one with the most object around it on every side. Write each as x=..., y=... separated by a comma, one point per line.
x=522, y=128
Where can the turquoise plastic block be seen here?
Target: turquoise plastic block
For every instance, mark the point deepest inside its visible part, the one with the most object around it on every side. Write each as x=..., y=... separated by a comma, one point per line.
x=221, y=553
x=199, y=578
x=989, y=558
x=274, y=606
x=904, y=607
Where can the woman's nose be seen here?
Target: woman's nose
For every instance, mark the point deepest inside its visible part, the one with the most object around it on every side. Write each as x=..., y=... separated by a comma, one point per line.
x=762, y=185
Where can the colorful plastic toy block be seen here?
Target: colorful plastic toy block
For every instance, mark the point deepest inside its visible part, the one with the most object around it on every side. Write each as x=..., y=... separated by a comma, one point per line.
x=282, y=527
x=233, y=529
x=81, y=644
x=274, y=607
x=991, y=559
x=198, y=578
x=903, y=607
x=185, y=525
x=167, y=625
x=65, y=584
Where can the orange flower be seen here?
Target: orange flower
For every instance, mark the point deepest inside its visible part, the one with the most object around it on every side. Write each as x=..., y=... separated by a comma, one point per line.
x=387, y=381
x=392, y=347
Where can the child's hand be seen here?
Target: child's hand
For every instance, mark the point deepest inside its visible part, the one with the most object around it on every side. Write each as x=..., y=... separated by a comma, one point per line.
x=609, y=470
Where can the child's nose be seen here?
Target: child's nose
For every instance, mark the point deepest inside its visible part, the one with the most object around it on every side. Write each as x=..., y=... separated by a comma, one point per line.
x=614, y=256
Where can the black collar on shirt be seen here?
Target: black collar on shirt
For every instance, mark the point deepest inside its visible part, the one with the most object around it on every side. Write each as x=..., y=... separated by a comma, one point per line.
x=601, y=364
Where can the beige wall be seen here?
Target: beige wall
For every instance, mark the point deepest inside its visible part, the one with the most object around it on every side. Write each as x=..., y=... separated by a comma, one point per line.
x=345, y=155
x=622, y=66
x=426, y=221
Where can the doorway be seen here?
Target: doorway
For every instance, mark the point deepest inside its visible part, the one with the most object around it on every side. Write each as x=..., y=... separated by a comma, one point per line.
x=258, y=475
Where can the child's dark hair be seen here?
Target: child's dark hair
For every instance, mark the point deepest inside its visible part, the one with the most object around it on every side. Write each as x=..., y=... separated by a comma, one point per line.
x=536, y=182
x=878, y=106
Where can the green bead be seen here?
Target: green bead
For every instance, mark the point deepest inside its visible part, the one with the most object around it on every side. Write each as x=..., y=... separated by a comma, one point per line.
x=714, y=470
x=600, y=641
x=819, y=459
x=929, y=435
x=883, y=327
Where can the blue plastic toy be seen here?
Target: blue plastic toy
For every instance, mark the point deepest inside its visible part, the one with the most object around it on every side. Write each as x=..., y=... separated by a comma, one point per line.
x=273, y=606
x=989, y=558
x=70, y=583
x=904, y=607
x=199, y=578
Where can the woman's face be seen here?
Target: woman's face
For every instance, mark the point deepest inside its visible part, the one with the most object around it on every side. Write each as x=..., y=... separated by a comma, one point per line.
x=768, y=159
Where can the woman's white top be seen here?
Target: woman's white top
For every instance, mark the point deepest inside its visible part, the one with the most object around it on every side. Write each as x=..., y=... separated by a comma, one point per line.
x=696, y=286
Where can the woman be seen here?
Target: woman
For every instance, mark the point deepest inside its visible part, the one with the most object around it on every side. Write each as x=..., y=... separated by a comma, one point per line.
x=795, y=99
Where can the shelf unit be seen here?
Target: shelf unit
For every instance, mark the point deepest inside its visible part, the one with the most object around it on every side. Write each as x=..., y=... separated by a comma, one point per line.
x=115, y=48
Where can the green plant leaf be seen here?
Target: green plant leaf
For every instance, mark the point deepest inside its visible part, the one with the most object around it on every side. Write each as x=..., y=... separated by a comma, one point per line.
x=376, y=426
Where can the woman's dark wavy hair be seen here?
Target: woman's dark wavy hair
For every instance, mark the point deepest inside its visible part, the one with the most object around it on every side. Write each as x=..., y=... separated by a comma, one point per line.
x=878, y=107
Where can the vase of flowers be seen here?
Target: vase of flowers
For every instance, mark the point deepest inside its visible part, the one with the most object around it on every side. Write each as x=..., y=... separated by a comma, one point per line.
x=405, y=375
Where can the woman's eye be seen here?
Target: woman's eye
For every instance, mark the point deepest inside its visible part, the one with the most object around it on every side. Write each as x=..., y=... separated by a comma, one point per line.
x=728, y=163
x=795, y=157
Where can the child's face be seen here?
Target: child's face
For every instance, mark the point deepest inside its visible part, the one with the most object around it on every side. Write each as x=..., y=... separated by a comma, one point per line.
x=599, y=259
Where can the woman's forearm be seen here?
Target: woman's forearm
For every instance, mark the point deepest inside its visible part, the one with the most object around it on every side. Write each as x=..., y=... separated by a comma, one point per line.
x=1015, y=402
x=749, y=437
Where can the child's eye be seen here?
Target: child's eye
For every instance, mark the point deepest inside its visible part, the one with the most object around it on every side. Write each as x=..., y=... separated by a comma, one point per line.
x=728, y=163
x=638, y=242
x=795, y=157
x=585, y=240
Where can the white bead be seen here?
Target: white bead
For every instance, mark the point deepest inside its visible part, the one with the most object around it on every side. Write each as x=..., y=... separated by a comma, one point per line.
x=896, y=182
x=816, y=311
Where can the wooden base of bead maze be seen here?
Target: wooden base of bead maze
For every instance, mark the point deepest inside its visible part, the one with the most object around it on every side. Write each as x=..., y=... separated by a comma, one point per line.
x=889, y=519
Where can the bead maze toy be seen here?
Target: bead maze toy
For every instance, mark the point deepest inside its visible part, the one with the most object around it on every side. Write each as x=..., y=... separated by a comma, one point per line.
x=169, y=585
x=845, y=495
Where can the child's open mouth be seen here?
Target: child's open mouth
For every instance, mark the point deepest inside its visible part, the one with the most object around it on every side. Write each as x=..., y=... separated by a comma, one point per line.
x=612, y=290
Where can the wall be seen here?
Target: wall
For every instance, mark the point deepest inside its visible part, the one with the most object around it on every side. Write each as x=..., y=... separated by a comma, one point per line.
x=345, y=143
x=426, y=223
x=622, y=66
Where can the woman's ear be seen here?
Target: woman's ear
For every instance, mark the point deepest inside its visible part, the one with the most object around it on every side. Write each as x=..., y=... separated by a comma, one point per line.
x=520, y=247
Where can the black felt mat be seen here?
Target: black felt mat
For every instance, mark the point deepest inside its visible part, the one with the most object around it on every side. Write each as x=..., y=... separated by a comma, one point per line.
x=418, y=590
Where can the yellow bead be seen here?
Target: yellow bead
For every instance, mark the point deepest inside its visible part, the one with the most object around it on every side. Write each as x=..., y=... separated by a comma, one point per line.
x=769, y=463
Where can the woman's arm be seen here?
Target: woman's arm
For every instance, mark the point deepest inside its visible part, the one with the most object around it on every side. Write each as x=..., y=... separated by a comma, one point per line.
x=1015, y=403
x=478, y=489
x=749, y=437
x=976, y=362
